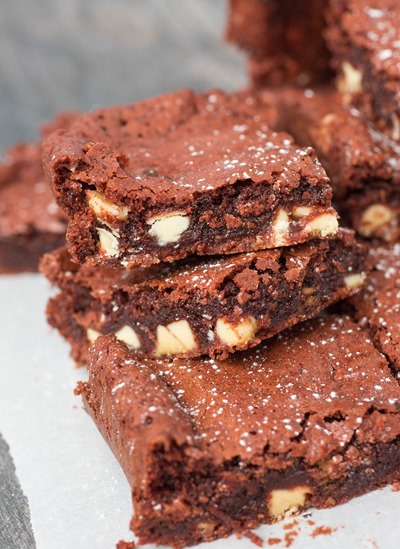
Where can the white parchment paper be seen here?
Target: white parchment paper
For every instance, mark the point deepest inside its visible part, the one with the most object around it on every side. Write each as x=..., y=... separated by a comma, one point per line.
x=78, y=496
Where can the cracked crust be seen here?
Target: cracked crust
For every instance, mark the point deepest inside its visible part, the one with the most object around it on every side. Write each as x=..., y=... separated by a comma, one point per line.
x=313, y=416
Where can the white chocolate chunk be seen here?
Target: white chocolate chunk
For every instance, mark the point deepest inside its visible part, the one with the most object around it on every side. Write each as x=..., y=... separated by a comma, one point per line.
x=176, y=337
x=286, y=502
x=103, y=207
x=128, y=336
x=354, y=281
x=323, y=225
x=351, y=81
x=300, y=211
x=374, y=218
x=236, y=334
x=168, y=227
x=395, y=127
x=280, y=228
x=108, y=243
x=92, y=335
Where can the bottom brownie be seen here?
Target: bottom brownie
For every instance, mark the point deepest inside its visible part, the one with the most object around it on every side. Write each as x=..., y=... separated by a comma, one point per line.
x=310, y=418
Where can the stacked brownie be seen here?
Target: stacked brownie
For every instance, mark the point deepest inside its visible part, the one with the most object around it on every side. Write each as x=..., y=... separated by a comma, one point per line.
x=196, y=231
x=203, y=252
x=178, y=178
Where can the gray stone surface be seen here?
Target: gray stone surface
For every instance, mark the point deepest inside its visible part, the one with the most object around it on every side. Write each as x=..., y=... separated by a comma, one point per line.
x=58, y=54
x=15, y=526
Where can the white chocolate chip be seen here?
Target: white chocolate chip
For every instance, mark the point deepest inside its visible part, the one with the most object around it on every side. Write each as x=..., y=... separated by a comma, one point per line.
x=300, y=211
x=280, y=228
x=323, y=225
x=176, y=337
x=354, y=281
x=236, y=334
x=103, y=207
x=286, y=502
x=351, y=81
x=168, y=227
x=92, y=335
x=108, y=243
x=128, y=336
x=374, y=218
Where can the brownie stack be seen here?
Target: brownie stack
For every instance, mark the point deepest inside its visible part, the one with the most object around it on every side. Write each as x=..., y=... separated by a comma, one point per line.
x=200, y=236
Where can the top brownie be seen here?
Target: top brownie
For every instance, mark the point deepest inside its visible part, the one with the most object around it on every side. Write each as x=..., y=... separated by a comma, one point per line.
x=185, y=174
x=363, y=36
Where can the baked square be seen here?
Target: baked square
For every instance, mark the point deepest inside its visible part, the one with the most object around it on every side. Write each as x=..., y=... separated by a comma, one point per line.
x=311, y=418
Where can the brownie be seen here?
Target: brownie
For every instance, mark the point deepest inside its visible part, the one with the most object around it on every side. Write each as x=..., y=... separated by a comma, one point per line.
x=362, y=162
x=363, y=36
x=30, y=221
x=282, y=38
x=378, y=306
x=210, y=448
x=184, y=174
x=190, y=308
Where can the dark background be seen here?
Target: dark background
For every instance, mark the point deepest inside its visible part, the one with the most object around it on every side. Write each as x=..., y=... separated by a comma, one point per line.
x=81, y=54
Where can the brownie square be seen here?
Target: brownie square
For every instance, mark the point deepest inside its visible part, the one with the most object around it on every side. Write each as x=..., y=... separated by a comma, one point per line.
x=210, y=448
x=363, y=36
x=31, y=223
x=282, y=38
x=185, y=174
x=362, y=162
x=213, y=307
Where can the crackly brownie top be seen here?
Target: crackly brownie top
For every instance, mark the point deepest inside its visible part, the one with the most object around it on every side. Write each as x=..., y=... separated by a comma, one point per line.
x=202, y=276
x=378, y=304
x=373, y=28
x=178, y=145
x=26, y=200
x=357, y=153
x=307, y=393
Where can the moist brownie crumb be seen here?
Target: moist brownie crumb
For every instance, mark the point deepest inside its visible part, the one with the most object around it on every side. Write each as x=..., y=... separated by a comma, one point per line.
x=185, y=174
x=210, y=448
x=212, y=307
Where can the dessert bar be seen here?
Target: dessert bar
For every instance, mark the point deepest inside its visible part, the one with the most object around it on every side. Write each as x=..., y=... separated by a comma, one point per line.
x=282, y=38
x=310, y=418
x=210, y=307
x=30, y=221
x=363, y=36
x=185, y=174
x=362, y=162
